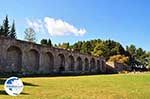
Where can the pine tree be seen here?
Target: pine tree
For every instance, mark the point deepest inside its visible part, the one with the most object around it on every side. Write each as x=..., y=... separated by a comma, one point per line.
x=13, y=31
x=1, y=31
x=6, y=26
x=49, y=43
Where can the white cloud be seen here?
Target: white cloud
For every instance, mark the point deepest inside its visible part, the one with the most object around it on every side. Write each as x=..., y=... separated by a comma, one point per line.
x=55, y=27
x=37, y=25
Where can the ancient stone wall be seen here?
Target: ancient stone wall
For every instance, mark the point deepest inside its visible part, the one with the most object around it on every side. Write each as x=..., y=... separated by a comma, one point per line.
x=115, y=67
x=17, y=56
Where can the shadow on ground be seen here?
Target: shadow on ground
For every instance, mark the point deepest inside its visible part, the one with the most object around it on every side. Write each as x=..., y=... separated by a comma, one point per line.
x=2, y=92
x=29, y=84
x=2, y=81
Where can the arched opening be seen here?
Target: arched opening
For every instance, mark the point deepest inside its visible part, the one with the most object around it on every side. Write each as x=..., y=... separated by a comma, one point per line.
x=33, y=60
x=92, y=64
x=48, y=61
x=14, y=58
x=61, y=62
x=71, y=63
x=86, y=64
x=79, y=64
x=98, y=66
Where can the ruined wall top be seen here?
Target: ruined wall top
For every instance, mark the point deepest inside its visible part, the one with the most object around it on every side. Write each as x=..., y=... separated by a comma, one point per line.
x=44, y=46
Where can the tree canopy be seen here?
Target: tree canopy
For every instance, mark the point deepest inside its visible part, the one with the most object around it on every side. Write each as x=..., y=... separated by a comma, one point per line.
x=111, y=50
x=6, y=30
x=46, y=42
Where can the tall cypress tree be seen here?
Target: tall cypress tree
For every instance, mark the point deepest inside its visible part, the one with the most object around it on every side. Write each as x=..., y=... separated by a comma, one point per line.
x=1, y=31
x=13, y=31
x=6, y=26
x=49, y=43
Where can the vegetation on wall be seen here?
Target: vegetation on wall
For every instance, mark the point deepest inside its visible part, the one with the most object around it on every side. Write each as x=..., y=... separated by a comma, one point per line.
x=46, y=42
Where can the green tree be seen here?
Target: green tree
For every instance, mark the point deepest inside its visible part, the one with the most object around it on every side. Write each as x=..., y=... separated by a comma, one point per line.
x=44, y=42
x=139, y=52
x=6, y=26
x=13, y=31
x=137, y=56
x=131, y=49
x=147, y=59
x=86, y=47
x=1, y=31
x=101, y=50
x=77, y=46
x=49, y=43
x=55, y=45
x=64, y=45
x=141, y=56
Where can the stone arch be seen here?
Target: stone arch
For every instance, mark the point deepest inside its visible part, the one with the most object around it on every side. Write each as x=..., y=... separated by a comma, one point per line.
x=48, y=61
x=33, y=60
x=86, y=64
x=71, y=63
x=61, y=62
x=14, y=58
x=92, y=64
x=98, y=66
x=79, y=64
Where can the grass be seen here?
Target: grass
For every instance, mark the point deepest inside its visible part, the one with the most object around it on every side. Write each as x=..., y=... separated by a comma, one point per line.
x=120, y=86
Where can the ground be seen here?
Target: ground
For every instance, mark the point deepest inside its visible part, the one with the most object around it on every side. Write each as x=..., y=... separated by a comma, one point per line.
x=118, y=86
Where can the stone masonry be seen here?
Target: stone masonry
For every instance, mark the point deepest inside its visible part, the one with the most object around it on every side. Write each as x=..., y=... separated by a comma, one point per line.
x=17, y=56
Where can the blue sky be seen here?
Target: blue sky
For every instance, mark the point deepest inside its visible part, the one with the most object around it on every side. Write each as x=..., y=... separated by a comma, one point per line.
x=126, y=21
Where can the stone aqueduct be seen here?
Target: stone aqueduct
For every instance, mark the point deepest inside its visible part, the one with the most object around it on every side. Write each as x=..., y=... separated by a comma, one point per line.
x=17, y=55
